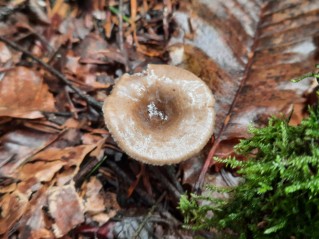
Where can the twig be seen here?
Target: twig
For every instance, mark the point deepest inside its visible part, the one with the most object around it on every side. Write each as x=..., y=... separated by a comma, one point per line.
x=156, y=173
x=120, y=16
x=149, y=214
x=121, y=37
x=90, y=100
x=172, y=176
x=6, y=11
x=124, y=176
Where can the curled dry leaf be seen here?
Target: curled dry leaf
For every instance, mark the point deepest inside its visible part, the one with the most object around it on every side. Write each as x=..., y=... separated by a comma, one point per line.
x=24, y=94
x=43, y=125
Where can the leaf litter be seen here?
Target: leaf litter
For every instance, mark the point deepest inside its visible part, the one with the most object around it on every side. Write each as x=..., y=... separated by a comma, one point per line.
x=61, y=172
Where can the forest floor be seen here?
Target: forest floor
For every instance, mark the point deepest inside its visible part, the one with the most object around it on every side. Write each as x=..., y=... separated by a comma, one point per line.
x=61, y=173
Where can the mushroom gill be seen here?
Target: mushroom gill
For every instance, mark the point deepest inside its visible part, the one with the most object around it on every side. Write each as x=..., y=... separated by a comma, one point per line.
x=161, y=116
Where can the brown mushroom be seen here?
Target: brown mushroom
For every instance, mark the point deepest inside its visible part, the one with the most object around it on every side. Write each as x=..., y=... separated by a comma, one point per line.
x=161, y=116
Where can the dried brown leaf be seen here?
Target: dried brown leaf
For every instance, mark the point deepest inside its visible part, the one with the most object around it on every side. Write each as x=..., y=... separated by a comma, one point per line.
x=42, y=171
x=253, y=51
x=93, y=199
x=5, y=54
x=12, y=208
x=35, y=222
x=247, y=52
x=65, y=208
x=18, y=145
x=38, y=11
x=48, y=162
x=24, y=94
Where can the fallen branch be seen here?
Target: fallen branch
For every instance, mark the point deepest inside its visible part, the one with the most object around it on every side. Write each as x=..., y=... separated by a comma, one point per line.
x=144, y=196
x=151, y=211
x=90, y=100
x=157, y=174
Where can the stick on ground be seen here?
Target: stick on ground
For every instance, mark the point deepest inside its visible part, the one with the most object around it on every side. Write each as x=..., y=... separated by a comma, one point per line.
x=90, y=100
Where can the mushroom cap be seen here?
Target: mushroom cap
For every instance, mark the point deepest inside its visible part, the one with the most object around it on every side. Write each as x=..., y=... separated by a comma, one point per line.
x=162, y=116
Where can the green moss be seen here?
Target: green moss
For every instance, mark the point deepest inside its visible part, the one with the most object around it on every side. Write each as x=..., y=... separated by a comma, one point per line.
x=280, y=195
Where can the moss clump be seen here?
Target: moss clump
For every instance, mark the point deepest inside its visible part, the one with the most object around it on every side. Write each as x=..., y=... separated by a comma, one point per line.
x=280, y=195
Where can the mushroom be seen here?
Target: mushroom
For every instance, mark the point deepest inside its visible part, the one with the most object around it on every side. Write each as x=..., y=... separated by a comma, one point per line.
x=162, y=116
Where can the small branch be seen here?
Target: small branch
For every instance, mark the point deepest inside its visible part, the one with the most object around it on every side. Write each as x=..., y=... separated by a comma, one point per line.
x=120, y=16
x=151, y=211
x=171, y=174
x=90, y=100
x=199, y=184
x=121, y=37
x=5, y=12
x=157, y=174
x=144, y=196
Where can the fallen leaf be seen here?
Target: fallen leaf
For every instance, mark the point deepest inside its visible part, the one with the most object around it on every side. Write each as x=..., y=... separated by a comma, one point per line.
x=93, y=201
x=48, y=162
x=35, y=222
x=252, y=62
x=71, y=156
x=43, y=125
x=65, y=208
x=38, y=11
x=5, y=54
x=42, y=171
x=12, y=208
x=18, y=145
x=24, y=94
x=100, y=205
x=191, y=169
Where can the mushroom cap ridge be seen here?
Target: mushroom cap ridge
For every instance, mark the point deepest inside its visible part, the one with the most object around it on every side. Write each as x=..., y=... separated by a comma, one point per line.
x=162, y=116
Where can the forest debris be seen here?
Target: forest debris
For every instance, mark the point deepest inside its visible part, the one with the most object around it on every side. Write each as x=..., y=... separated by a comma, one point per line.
x=259, y=43
x=66, y=209
x=100, y=206
x=42, y=171
x=16, y=101
x=5, y=54
x=54, y=72
x=260, y=60
x=93, y=201
x=20, y=144
x=35, y=222
x=12, y=207
x=37, y=9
